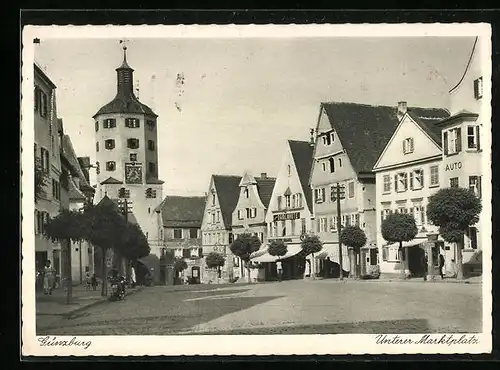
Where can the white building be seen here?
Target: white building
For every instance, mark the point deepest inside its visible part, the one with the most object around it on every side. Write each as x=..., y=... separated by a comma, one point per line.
x=407, y=174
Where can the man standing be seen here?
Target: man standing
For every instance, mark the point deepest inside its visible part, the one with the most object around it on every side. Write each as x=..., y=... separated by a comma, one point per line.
x=424, y=265
x=279, y=269
x=441, y=265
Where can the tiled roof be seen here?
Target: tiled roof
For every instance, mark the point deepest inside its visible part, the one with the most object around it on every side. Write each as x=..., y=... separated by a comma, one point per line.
x=429, y=125
x=70, y=154
x=364, y=130
x=111, y=180
x=179, y=211
x=75, y=193
x=265, y=186
x=125, y=104
x=302, y=153
x=228, y=192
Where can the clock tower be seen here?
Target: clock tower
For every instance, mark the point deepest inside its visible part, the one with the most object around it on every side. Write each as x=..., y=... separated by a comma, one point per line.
x=127, y=154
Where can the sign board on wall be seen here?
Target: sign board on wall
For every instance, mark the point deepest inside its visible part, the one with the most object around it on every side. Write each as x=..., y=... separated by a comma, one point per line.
x=453, y=166
x=287, y=216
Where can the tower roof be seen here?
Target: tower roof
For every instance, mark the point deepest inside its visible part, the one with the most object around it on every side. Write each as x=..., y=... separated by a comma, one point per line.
x=125, y=100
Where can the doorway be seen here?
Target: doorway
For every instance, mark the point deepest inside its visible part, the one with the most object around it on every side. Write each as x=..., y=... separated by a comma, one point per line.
x=415, y=255
x=195, y=275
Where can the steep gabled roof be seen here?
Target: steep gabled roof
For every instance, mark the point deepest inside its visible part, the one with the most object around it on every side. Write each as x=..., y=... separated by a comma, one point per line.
x=265, y=186
x=429, y=126
x=179, y=211
x=302, y=153
x=69, y=152
x=228, y=192
x=364, y=130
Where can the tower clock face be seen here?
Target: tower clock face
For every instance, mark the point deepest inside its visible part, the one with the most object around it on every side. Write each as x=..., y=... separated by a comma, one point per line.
x=133, y=173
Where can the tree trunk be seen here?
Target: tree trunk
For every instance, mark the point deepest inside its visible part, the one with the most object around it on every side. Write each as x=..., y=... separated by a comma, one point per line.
x=459, y=265
x=352, y=260
x=249, y=278
x=401, y=261
x=69, y=277
x=104, y=273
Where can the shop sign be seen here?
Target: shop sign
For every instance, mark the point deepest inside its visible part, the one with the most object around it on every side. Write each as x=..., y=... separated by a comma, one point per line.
x=287, y=216
x=453, y=166
x=284, y=240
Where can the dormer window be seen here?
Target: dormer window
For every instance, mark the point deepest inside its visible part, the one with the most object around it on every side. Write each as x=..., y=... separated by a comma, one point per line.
x=408, y=145
x=478, y=88
x=132, y=123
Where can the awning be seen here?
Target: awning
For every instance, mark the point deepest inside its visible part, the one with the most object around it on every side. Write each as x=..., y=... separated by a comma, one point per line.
x=411, y=243
x=292, y=250
x=332, y=251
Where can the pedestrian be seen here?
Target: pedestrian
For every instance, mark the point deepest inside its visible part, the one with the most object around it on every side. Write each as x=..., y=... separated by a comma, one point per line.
x=441, y=265
x=94, y=282
x=132, y=277
x=424, y=265
x=279, y=270
x=307, y=270
x=88, y=282
x=48, y=278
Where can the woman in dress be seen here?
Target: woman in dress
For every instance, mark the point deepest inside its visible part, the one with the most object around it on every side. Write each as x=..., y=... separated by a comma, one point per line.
x=48, y=278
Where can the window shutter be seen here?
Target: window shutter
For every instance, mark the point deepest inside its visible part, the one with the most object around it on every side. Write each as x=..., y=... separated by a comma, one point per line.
x=477, y=138
x=422, y=214
x=479, y=186
x=459, y=139
x=476, y=88
x=411, y=145
x=411, y=180
x=404, y=146
x=422, y=177
x=445, y=142
x=200, y=252
x=395, y=182
x=322, y=194
x=186, y=253
x=279, y=201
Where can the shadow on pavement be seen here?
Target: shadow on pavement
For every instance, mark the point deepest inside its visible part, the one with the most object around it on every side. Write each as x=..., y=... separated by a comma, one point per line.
x=178, y=317
x=413, y=326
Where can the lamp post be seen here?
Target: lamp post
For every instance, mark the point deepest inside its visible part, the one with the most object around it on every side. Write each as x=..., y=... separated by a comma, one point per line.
x=339, y=195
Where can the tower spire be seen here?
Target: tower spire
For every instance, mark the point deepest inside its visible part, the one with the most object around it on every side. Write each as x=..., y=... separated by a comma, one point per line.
x=125, y=74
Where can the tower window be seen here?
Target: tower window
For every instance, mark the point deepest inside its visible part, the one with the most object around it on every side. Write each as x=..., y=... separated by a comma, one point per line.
x=151, y=145
x=152, y=168
x=331, y=162
x=97, y=146
x=150, y=124
x=150, y=193
x=96, y=126
x=133, y=143
x=109, y=144
x=110, y=166
x=97, y=168
x=478, y=88
x=132, y=123
x=133, y=157
x=123, y=193
x=109, y=123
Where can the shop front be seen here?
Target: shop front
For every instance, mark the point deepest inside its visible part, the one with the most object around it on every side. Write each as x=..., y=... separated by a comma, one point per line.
x=326, y=262
x=293, y=263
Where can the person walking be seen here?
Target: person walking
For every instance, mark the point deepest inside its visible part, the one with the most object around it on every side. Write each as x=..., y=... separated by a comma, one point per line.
x=441, y=265
x=132, y=277
x=48, y=278
x=279, y=270
x=424, y=265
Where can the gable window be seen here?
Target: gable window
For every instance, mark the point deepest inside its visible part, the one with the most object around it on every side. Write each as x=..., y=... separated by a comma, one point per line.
x=246, y=193
x=133, y=157
x=193, y=233
x=133, y=143
x=351, y=189
x=452, y=140
x=416, y=179
x=454, y=182
x=327, y=139
x=323, y=166
x=177, y=233
x=151, y=145
x=218, y=216
x=434, y=176
x=253, y=212
x=408, y=145
x=152, y=168
x=212, y=217
x=96, y=126
x=97, y=146
x=340, y=162
x=279, y=201
x=289, y=170
x=132, y=123
x=109, y=144
x=213, y=199
x=150, y=193
x=387, y=183
x=123, y=193
x=475, y=185
x=478, y=88
x=150, y=124
x=110, y=165
x=299, y=200
x=331, y=162
x=287, y=201
x=473, y=137
x=401, y=182
x=240, y=214
x=319, y=195
x=109, y=123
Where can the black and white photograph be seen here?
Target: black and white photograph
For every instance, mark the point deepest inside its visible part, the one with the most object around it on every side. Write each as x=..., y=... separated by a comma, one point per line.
x=204, y=190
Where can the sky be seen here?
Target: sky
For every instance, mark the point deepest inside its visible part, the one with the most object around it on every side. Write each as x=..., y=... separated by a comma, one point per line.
x=243, y=98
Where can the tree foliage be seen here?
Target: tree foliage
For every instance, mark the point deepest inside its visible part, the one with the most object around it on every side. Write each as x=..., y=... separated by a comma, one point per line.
x=179, y=264
x=353, y=237
x=453, y=210
x=399, y=227
x=108, y=227
x=41, y=180
x=277, y=248
x=244, y=245
x=134, y=244
x=214, y=259
x=311, y=244
x=67, y=225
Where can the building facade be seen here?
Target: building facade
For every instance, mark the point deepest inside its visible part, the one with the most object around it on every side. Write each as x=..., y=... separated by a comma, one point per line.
x=464, y=162
x=407, y=174
x=249, y=215
x=217, y=236
x=48, y=161
x=127, y=154
x=179, y=220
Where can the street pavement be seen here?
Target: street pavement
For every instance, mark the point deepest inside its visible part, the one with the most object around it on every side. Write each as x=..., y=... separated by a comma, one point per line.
x=289, y=307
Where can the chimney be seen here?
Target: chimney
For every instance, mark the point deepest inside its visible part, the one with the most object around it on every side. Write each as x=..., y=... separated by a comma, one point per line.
x=263, y=175
x=402, y=108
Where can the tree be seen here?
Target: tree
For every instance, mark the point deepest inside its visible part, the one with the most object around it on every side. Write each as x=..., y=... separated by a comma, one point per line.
x=277, y=248
x=68, y=226
x=354, y=238
x=243, y=246
x=215, y=260
x=133, y=245
x=310, y=245
x=107, y=229
x=399, y=228
x=454, y=210
x=179, y=265
x=41, y=180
